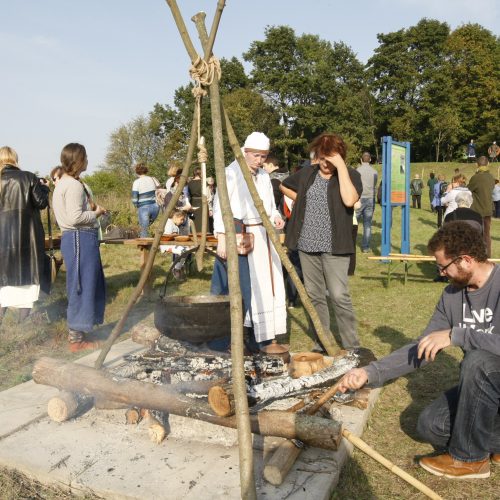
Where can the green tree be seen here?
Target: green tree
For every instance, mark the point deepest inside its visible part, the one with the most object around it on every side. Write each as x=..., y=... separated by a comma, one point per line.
x=473, y=58
x=406, y=77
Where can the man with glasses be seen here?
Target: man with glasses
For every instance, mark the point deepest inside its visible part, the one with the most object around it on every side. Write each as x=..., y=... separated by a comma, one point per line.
x=464, y=422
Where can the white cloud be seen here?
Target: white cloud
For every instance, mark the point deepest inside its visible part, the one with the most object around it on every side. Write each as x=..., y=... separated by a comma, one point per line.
x=45, y=41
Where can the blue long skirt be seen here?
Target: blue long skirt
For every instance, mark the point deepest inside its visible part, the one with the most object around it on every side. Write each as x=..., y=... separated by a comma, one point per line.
x=85, y=285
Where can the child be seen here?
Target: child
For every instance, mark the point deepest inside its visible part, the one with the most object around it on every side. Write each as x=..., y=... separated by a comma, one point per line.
x=178, y=224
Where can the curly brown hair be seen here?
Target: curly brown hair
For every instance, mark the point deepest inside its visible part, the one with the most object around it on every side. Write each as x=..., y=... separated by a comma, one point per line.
x=327, y=144
x=459, y=238
x=141, y=169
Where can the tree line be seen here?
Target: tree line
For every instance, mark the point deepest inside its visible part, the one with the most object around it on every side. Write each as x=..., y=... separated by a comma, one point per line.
x=427, y=84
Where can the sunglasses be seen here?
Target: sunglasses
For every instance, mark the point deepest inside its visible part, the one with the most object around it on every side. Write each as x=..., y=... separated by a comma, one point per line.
x=442, y=269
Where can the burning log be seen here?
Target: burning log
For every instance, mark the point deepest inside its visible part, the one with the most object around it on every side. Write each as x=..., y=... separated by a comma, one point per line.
x=314, y=431
x=221, y=398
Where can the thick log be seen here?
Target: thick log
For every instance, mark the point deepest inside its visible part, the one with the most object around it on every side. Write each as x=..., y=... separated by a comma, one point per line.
x=318, y=432
x=221, y=400
x=67, y=405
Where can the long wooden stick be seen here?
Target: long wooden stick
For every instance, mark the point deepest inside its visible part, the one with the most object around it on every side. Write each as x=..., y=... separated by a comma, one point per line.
x=248, y=490
x=359, y=443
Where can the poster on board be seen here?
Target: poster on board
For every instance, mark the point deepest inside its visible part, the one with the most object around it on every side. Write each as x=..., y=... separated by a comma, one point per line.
x=398, y=174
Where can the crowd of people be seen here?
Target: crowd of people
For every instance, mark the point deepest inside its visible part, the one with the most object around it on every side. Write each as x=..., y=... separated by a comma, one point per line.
x=318, y=207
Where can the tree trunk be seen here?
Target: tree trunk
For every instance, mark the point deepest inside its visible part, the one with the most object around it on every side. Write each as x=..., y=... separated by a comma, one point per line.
x=314, y=431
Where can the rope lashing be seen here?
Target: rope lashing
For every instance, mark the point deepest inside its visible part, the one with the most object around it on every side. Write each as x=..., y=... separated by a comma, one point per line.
x=203, y=72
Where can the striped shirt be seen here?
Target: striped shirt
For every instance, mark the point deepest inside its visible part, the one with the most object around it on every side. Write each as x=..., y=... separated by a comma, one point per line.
x=143, y=191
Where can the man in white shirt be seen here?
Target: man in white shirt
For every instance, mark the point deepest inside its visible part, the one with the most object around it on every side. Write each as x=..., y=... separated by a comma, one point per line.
x=261, y=276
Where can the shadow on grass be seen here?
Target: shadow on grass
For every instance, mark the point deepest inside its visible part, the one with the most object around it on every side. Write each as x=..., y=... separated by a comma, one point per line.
x=424, y=385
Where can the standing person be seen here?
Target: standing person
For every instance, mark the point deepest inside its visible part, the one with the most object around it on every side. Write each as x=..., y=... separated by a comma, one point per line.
x=493, y=152
x=210, y=203
x=195, y=197
x=439, y=190
x=85, y=285
x=416, y=186
x=144, y=198
x=481, y=186
x=277, y=174
x=22, y=251
x=431, y=182
x=471, y=151
x=457, y=185
x=369, y=180
x=465, y=420
x=496, y=198
x=261, y=276
x=320, y=227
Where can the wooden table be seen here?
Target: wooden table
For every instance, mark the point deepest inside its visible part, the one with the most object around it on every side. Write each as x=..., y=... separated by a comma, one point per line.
x=144, y=245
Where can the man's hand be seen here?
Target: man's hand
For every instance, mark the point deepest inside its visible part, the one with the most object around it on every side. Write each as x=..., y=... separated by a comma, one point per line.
x=99, y=210
x=431, y=344
x=221, y=246
x=279, y=223
x=354, y=379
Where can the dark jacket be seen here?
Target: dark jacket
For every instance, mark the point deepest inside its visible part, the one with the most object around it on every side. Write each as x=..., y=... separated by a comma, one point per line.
x=481, y=186
x=340, y=215
x=22, y=238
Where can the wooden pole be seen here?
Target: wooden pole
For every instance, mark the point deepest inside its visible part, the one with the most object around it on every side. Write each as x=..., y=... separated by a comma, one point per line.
x=154, y=249
x=359, y=443
x=314, y=431
x=239, y=386
x=237, y=347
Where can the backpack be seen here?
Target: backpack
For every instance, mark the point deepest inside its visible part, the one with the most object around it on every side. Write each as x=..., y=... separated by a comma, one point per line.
x=443, y=188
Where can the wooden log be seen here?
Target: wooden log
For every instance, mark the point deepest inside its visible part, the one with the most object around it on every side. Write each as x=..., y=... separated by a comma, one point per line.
x=283, y=458
x=221, y=400
x=318, y=432
x=133, y=416
x=67, y=405
x=156, y=430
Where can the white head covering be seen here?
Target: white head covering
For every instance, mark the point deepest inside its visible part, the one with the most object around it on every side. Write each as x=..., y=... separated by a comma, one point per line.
x=257, y=140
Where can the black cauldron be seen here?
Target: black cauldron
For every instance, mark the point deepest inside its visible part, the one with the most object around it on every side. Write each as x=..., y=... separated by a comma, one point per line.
x=195, y=319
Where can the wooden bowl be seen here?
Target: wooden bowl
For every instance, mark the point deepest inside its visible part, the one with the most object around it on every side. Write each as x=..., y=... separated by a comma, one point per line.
x=306, y=363
x=167, y=237
x=211, y=238
x=182, y=239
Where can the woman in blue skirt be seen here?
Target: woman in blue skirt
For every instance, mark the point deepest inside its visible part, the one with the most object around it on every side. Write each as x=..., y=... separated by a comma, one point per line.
x=77, y=216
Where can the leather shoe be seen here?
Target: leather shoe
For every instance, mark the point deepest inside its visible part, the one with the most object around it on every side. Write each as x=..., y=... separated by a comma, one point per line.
x=447, y=466
x=84, y=346
x=495, y=458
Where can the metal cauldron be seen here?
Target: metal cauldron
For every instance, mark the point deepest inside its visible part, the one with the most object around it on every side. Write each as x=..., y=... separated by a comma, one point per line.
x=194, y=319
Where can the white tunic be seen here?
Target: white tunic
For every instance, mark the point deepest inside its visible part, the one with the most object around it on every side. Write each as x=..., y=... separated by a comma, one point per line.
x=266, y=275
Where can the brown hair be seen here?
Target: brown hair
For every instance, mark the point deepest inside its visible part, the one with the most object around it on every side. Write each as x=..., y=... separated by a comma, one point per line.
x=56, y=172
x=460, y=179
x=174, y=168
x=327, y=144
x=73, y=157
x=197, y=172
x=459, y=238
x=141, y=169
x=482, y=161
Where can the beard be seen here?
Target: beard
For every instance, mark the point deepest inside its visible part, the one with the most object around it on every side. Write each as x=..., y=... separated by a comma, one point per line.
x=461, y=280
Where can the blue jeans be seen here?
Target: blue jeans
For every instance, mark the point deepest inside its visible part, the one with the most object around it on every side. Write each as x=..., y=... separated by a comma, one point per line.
x=466, y=418
x=147, y=215
x=366, y=214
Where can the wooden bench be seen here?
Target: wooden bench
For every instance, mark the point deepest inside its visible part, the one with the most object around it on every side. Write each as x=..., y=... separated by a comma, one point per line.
x=393, y=260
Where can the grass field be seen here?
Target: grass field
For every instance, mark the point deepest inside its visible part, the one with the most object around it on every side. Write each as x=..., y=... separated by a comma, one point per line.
x=388, y=317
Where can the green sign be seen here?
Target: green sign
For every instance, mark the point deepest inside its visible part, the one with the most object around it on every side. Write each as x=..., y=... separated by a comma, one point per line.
x=398, y=174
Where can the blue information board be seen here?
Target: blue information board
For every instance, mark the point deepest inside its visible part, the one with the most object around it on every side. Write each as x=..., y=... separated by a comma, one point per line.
x=395, y=191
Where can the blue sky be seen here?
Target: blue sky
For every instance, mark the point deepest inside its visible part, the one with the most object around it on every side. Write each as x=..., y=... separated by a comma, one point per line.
x=74, y=70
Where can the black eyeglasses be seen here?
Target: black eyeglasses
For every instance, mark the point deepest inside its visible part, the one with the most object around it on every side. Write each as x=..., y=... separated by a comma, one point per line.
x=442, y=269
